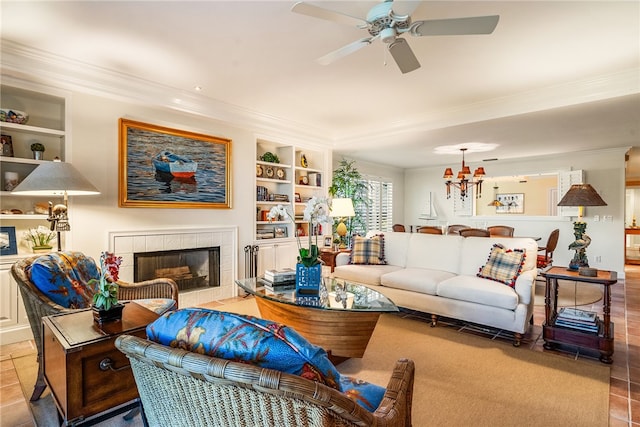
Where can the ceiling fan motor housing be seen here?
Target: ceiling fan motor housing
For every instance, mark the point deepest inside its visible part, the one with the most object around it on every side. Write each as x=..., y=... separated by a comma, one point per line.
x=383, y=21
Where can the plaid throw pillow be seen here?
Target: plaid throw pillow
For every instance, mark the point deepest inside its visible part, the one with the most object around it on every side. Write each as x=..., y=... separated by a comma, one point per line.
x=368, y=251
x=503, y=265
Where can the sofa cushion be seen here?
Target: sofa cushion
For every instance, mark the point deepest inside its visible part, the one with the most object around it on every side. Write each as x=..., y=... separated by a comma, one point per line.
x=422, y=280
x=436, y=252
x=503, y=265
x=257, y=341
x=396, y=247
x=368, y=250
x=478, y=290
x=63, y=277
x=365, y=274
x=476, y=249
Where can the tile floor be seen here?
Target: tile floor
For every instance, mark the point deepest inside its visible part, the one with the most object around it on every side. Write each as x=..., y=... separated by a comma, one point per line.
x=624, y=397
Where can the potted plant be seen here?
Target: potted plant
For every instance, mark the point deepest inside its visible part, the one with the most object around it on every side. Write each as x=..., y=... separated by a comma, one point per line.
x=309, y=267
x=105, y=306
x=348, y=182
x=37, y=149
x=40, y=239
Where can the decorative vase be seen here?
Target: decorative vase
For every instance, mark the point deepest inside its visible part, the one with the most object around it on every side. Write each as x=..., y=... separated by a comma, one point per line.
x=41, y=249
x=308, y=279
x=101, y=315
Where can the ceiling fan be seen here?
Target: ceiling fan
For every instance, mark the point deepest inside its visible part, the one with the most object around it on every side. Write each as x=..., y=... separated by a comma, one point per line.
x=384, y=23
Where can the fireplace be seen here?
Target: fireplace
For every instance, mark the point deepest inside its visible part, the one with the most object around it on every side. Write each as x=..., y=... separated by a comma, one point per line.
x=129, y=243
x=191, y=269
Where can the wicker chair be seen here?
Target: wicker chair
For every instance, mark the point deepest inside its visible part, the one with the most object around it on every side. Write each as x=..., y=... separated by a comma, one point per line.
x=180, y=388
x=38, y=305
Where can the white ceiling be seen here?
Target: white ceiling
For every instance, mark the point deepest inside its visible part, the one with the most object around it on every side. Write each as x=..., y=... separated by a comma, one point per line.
x=555, y=76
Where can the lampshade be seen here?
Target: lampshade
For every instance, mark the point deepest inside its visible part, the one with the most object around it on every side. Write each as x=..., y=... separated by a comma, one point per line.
x=582, y=195
x=55, y=178
x=341, y=208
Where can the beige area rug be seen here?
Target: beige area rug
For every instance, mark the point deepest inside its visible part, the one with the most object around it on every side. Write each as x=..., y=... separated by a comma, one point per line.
x=571, y=293
x=461, y=379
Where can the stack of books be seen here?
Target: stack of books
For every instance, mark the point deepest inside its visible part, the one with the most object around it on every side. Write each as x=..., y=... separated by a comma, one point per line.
x=573, y=318
x=279, y=280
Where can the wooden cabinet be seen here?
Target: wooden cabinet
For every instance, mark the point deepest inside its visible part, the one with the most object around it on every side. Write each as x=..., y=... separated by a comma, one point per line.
x=87, y=374
x=276, y=256
x=47, y=124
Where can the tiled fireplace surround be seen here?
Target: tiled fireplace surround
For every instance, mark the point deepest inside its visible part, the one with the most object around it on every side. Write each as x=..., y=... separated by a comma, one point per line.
x=126, y=243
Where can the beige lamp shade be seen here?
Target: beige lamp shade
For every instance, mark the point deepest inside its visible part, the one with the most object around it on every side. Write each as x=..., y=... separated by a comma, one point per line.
x=55, y=178
x=342, y=208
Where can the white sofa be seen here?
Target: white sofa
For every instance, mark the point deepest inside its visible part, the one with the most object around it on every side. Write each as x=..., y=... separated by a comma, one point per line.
x=437, y=274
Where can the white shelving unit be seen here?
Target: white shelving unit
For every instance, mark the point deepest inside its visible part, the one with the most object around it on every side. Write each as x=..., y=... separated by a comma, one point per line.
x=48, y=124
x=280, y=184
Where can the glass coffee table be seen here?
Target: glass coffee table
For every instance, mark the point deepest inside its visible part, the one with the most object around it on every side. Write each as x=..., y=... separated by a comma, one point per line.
x=340, y=319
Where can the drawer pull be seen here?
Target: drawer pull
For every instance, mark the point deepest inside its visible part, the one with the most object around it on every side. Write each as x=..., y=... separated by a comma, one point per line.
x=107, y=363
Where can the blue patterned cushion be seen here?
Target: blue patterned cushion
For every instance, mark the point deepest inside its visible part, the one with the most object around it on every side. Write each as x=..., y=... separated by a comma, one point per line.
x=503, y=265
x=63, y=278
x=260, y=342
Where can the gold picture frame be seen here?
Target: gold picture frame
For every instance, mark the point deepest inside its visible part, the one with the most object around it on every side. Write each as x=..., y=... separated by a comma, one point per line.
x=161, y=167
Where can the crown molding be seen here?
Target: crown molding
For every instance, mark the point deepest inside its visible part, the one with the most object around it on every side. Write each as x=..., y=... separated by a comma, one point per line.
x=41, y=67
x=38, y=66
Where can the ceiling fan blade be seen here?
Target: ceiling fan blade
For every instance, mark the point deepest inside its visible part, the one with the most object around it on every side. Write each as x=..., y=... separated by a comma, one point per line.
x=330, y=15
x=344, y=51
x=455, y=26
x=403, y=55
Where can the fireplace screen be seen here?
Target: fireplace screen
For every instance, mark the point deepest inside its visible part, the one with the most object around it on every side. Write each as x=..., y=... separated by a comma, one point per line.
x=190, y=268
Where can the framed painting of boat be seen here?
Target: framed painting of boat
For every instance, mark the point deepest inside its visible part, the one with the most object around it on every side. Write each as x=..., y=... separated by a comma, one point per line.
x=162, y=167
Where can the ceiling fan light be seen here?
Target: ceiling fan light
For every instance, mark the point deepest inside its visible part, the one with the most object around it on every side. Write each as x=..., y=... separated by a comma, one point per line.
x=388, y=35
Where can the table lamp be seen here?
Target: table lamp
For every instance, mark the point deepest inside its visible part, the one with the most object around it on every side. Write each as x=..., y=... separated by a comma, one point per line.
x=342, y=208
x=581, y=195
x=56, y=178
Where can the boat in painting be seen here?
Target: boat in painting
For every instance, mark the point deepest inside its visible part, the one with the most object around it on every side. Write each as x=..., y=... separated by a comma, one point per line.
x=174, y=164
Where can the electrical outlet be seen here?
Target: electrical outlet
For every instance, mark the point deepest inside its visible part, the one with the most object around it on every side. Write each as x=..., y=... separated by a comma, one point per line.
x=608, y=218
x=596, y=218
x=598, y=258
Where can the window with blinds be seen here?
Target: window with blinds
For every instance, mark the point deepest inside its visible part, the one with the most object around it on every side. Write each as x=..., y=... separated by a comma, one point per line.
x=379, y=214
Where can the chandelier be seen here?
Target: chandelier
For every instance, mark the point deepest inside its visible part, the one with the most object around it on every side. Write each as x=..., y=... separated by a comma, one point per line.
x=465, y=182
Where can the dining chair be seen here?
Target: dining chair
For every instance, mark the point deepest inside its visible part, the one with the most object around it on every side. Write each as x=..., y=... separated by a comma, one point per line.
x=476, y=232
x=547, y=259
x=429, y=229
x=399, y=227
x=455, y=228
x=501, y=230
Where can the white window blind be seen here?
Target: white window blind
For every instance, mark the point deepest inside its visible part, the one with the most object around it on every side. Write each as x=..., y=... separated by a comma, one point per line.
x=379, y=214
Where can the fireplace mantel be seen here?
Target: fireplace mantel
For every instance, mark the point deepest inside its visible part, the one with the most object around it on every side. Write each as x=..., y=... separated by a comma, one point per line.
x=126, y=243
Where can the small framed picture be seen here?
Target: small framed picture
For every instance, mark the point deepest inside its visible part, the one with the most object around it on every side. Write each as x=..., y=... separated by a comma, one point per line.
x=298, y=198
x=7, y=145
x=280, y=231
x=8, y=245
x=327, y=241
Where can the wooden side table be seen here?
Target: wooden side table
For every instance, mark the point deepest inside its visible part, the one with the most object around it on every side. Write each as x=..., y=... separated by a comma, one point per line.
x=552, y=334
x=86, y=373
x=328, y=256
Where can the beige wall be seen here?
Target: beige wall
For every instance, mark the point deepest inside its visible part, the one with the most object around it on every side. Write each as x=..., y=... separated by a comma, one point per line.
x=535, y=190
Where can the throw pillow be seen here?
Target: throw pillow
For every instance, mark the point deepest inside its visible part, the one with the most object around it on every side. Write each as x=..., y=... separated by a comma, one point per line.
x=368, y=251
x=63, y=277
x=503, y=265
x=260, y=342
